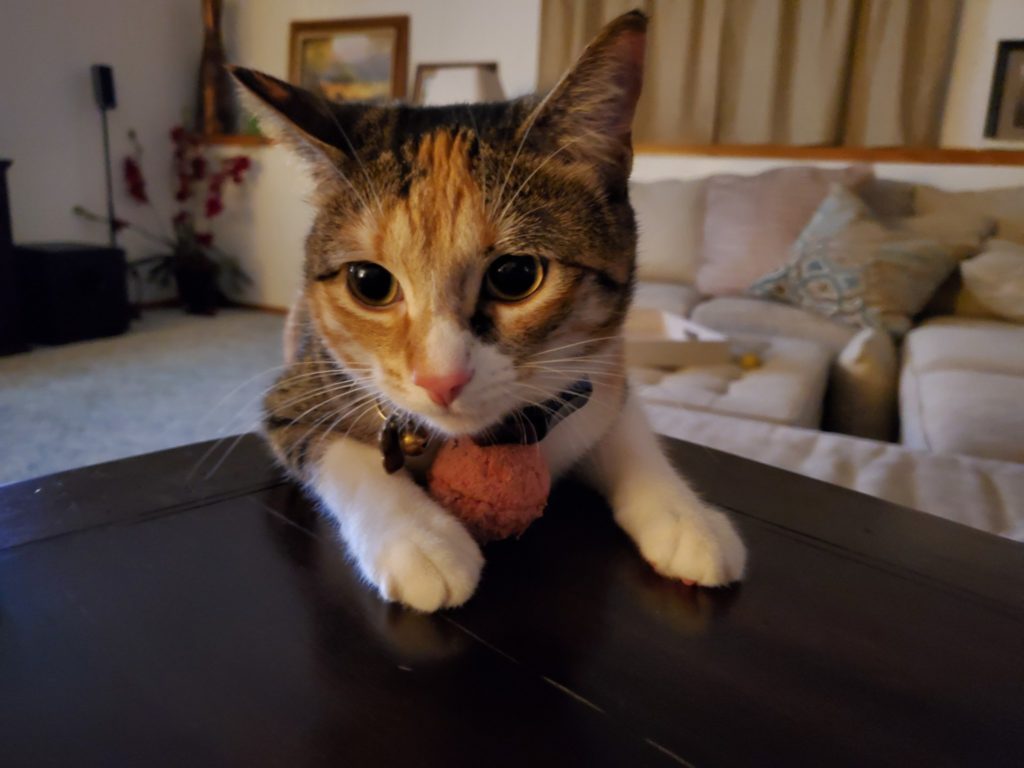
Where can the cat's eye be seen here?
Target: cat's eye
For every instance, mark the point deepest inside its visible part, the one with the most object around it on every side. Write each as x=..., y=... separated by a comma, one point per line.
x=513, y=277
x=371, y=284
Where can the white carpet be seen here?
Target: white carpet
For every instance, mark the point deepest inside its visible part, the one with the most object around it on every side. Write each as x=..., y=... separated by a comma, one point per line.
x=167, y=382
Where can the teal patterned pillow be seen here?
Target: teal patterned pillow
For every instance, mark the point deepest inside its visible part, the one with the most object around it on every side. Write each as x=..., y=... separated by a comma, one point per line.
x=850, y=266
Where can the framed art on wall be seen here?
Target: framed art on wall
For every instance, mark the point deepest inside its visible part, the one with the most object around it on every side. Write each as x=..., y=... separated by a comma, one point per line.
x=1005, y=118
x=351, y=59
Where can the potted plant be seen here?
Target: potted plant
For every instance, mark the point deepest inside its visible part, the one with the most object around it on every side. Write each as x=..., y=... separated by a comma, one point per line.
x=200, y=269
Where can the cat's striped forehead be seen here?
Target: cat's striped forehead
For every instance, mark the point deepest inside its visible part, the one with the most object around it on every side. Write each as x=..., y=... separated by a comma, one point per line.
x=439, y=212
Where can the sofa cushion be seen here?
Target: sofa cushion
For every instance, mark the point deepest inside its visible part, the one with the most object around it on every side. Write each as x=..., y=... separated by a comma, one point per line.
x=750, y=222
x=961, y=387
x=745, y=315
x=849, y=265
x=1005, y=206
x=669, y=297
x=995, y=279
x=966, y=412
x=788, y=386
x=889, y=198
x=965, y=343
x=669, y=219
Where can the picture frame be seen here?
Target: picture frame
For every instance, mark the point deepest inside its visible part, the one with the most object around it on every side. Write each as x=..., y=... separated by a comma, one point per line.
x=364, y=59
x=1005, y=118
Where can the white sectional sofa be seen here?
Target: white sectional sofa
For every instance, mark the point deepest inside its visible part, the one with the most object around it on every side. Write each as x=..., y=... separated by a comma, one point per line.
x=942, y=408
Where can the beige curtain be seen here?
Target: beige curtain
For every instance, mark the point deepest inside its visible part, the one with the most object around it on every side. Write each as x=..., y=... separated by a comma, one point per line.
x=901, y=64
x=799, y=72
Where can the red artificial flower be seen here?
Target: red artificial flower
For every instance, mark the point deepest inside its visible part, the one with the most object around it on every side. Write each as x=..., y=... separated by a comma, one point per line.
x=213, y=206
x=204, y=238
x=181, y=218
x=184, y=191
x=198, y=167
x=134, y=180
x=216, y=183
x=177, y=134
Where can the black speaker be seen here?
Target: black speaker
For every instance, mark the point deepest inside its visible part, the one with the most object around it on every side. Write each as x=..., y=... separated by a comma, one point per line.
x=103, y=86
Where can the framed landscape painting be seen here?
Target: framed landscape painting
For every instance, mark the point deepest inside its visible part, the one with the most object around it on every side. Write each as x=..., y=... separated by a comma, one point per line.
x=351, y=59
x=1005, y=118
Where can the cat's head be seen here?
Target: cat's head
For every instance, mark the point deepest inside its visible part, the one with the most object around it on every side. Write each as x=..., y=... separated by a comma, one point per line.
x=471, y=259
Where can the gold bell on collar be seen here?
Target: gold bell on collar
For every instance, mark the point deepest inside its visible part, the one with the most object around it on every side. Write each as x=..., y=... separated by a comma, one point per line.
x=413, y=443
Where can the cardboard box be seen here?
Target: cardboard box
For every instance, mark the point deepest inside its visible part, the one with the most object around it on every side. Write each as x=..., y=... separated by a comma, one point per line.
x=658, y=339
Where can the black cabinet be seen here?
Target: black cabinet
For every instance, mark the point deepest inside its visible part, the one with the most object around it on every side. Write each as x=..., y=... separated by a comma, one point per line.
x=71, y=292
x=12, y=338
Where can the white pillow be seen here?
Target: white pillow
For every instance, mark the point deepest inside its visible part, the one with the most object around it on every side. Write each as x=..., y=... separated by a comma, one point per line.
x=670, y=225
x=995, y=278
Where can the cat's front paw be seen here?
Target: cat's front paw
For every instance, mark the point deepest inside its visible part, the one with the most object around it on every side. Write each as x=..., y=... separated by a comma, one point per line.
x=428, y=568
x=682, y=538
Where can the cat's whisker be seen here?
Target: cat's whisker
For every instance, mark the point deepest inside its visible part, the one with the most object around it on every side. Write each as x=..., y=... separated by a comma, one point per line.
x=338, y=418
x=592, y=340
x=577, y=438
x=582, y=362
x=227, y=425
x=537, y=170
x=362, y=413
x=260, y=374
x=352, y=407
x=515, y=157
x=329, y=387
x=574, y=372
x=334, y=397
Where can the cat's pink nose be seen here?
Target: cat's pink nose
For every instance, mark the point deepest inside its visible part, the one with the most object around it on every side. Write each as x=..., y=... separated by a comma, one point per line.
x=444, y=388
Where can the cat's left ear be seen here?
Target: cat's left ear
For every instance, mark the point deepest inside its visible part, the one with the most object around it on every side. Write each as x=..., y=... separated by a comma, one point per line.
x=589, y=113
x=320, y=131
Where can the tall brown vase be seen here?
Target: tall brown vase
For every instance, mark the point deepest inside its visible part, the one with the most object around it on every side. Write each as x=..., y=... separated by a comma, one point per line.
x=215, y=112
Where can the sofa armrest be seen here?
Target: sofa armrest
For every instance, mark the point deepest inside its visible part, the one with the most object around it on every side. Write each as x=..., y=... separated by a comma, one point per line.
x=863, y=389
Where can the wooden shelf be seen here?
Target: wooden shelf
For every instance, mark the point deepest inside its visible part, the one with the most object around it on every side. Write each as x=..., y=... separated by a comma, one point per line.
x=237, y=140
x=931, y=155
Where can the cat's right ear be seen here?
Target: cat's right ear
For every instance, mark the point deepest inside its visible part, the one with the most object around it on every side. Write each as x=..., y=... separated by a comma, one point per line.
x=320, y=131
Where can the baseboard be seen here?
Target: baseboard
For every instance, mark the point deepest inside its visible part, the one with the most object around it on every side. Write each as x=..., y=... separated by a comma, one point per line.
x=260, y=308
x=170, y=303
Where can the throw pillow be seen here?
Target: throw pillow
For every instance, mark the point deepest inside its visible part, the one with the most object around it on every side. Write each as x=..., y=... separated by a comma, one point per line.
x=669, y=223
x=751, y=222
x=1005, y=206
x=995, y=279
x=851, y=266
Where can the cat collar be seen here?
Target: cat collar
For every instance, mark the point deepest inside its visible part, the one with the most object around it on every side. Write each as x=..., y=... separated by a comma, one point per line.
x=399, y=438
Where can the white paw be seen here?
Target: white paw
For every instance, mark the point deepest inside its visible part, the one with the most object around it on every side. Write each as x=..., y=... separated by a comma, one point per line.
x=682, y=538
x=428, y=568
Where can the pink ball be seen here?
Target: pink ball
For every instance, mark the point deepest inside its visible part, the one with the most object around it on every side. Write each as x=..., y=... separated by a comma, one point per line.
x=496, y=491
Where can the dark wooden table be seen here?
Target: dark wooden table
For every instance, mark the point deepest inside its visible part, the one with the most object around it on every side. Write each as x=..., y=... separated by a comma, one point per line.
x=150, y=620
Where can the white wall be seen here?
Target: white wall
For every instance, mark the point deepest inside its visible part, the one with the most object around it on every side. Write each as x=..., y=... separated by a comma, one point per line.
x=983, y=24
x=505, y=31
x=49, y=123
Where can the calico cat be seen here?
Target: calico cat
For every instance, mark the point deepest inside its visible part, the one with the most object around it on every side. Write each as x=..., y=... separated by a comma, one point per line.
x=464, y=263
